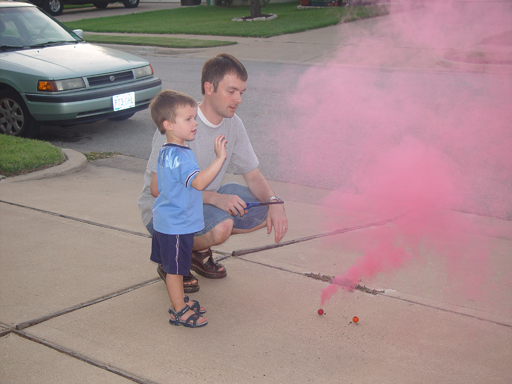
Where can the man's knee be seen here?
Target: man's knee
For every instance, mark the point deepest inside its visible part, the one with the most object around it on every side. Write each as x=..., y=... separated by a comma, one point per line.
x=216, y=236
x=222, y=231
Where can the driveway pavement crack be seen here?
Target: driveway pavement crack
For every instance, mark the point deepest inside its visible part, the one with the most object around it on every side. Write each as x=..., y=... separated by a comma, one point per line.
x=78, y=219
x=448, y=310
x=5, y=331
x=314, y=237
x=39, y=320
x=367, y=290
x=85, y=359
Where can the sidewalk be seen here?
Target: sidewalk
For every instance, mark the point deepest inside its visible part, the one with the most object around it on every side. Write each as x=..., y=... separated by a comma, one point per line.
x=81, y=302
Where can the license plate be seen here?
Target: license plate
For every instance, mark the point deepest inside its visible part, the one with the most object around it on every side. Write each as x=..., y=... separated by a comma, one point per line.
x=124, y=101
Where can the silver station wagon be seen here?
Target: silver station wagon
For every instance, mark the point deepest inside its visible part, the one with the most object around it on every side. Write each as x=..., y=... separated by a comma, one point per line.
x=50, y=76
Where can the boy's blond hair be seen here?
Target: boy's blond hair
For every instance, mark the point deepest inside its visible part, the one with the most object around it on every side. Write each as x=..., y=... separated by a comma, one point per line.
x=164, y=106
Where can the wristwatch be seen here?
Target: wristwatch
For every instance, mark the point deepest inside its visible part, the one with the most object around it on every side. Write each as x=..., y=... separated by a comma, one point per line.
x=274, y=198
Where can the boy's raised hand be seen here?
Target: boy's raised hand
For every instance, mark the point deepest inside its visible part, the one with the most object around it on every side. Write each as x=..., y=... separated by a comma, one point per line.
x=206, y=176
x=220, y=147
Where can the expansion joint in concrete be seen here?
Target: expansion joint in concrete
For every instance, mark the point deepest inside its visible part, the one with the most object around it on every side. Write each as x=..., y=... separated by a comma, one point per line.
x=83, y=358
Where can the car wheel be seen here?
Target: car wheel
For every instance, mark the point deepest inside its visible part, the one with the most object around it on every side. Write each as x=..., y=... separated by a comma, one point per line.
x=53, y=7
x=14, y=116
x=131, y=3
x=122, y=117
x=100, y=5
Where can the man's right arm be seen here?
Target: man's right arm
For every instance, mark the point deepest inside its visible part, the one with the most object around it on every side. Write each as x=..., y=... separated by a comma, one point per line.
x=232, y=204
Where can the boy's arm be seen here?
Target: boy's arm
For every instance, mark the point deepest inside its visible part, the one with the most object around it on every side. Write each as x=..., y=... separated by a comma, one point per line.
x=205, y=177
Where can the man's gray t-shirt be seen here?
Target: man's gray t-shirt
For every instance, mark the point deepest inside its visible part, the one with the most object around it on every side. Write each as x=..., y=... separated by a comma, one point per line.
x=240, y=155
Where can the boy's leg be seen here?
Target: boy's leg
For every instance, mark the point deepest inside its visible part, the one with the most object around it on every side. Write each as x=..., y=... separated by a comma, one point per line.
x=175, y=289
x=176, y=294
x=190, y=282
x=173, y=253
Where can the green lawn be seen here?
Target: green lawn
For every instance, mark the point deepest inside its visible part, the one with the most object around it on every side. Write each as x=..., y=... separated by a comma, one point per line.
x=209, y=20
x=19, y=155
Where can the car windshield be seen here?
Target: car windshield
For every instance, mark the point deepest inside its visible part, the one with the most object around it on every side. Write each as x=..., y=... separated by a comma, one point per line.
x=27, y=27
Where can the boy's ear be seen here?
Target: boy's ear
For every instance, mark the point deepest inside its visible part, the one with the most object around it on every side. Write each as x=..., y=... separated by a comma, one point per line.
x=167, y=125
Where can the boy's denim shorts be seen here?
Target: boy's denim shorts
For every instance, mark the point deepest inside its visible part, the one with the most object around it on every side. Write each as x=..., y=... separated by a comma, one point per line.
x=214, y=216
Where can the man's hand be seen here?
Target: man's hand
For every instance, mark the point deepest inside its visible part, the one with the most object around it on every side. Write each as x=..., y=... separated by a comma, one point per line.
x=232, y=204
x=276, y=218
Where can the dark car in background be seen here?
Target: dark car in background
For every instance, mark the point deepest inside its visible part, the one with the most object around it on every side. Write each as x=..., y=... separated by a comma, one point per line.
x=55, y=7
x=50, y=76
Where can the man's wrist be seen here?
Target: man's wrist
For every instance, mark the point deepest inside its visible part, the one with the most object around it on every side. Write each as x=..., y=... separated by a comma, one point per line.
x=274, y=198
x=209, y=197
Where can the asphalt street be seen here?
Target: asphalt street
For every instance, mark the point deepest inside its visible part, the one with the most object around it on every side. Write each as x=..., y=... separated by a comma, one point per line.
x=354, y=92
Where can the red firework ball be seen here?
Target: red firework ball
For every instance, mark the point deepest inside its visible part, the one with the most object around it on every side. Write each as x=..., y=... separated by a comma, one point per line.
x=355, y=319
x=321, y=311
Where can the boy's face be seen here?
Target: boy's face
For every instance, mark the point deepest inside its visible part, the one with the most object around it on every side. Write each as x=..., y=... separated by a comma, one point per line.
x=228, y=95
x=184, y=128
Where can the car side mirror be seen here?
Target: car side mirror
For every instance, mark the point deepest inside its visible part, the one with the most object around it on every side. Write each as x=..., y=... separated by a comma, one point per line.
x=79, y=33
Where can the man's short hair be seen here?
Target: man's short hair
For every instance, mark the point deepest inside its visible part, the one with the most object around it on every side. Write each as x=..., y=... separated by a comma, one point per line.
x=217, y=67
x=164, y=106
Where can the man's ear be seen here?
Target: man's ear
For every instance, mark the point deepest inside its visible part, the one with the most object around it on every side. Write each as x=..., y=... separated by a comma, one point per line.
x=168, y=125
x=208, y=88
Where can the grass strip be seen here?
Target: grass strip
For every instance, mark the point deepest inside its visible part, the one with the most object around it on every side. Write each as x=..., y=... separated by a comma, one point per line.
x=91, y=156
x=156, y=41
x=205, y=20
x=19, y=156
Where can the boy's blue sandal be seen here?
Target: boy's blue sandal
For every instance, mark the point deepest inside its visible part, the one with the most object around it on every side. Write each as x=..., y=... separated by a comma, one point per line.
x=196, y=307
x=190, y=322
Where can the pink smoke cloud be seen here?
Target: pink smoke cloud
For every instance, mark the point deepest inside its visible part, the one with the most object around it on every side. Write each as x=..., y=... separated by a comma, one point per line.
x=416, y=144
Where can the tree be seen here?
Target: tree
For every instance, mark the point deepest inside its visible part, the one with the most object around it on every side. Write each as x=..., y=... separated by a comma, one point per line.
x=255, y=8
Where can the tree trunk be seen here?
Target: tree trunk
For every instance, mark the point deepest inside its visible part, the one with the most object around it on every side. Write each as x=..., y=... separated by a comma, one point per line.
x=255, y=8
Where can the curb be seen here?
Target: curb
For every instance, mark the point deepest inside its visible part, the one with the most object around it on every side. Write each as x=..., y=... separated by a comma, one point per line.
x=75, y=162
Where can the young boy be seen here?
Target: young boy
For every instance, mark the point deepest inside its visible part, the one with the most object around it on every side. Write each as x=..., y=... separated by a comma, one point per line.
x=178, y=208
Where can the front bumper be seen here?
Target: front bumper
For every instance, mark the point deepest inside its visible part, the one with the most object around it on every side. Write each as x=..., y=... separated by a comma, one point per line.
x=86, y=106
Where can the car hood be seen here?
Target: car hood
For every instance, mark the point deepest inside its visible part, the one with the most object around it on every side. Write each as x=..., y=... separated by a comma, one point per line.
x=72, y=60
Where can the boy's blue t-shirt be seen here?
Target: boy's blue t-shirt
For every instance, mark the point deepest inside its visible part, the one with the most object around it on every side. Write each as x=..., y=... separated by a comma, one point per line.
x=178, y=209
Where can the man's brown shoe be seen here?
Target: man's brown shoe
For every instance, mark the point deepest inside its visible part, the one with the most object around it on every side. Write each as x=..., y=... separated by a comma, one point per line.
x=203, y=264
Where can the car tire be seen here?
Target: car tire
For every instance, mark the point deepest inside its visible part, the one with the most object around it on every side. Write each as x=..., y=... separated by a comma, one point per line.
x=100, y=5
x=53, y=7
x=122, y=117
x=15, y=119
x=131, y=3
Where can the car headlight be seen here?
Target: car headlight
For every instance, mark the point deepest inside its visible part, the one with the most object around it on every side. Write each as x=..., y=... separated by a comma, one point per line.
x=143, y=71
x=60, y=85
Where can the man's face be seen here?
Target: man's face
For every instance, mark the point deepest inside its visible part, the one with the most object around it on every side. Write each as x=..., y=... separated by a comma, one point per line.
x=228, y=95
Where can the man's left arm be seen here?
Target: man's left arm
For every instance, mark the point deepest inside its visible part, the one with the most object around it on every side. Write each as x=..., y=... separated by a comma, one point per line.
x=276, y=216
